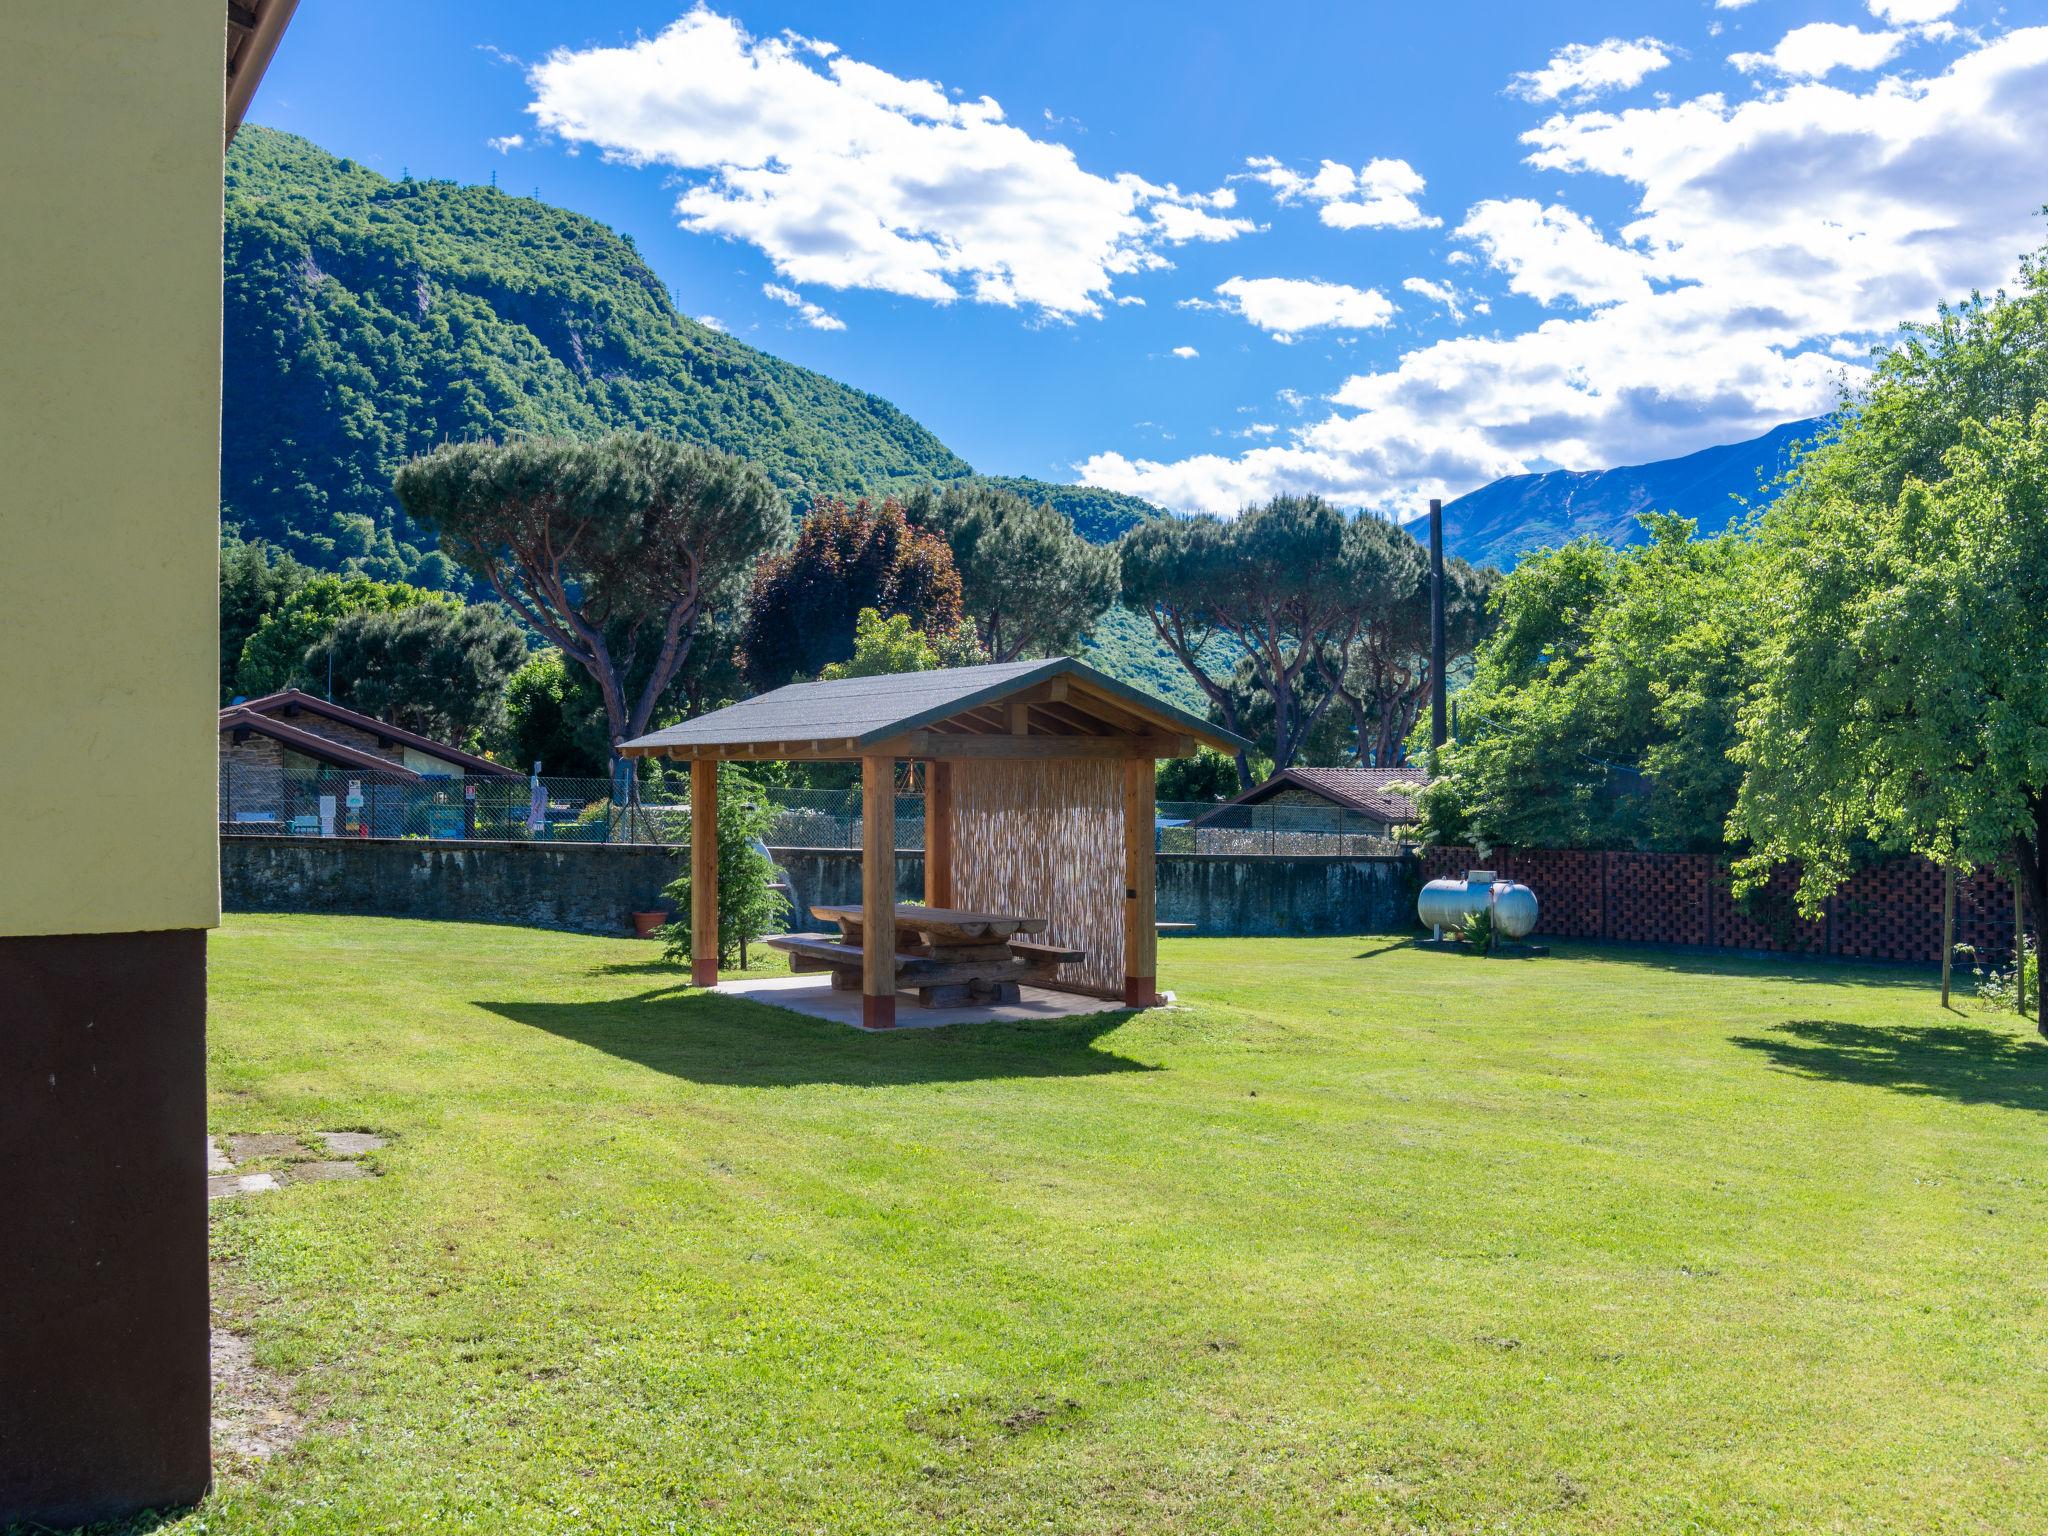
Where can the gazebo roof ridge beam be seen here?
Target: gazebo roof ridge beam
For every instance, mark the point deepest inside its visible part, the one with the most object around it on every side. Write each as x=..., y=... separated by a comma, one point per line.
x=933, y=746
x=1075, y=719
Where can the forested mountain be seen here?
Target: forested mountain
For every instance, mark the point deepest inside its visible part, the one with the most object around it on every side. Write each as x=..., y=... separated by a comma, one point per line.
x=368, y=320
x=1497, y=523
x=1099, y=516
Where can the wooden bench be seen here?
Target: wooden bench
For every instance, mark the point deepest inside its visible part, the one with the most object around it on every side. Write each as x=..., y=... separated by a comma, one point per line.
x=942, y=975
x=1048, y=954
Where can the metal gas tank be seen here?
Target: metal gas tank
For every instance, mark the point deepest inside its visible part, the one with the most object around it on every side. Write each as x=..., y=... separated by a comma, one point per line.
x=1454, y=903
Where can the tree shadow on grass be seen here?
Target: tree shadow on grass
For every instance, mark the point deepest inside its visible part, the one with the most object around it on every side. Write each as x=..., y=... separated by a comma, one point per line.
x=733, y=1042
x=1384, y=945
x=1968, y=1063
x=1817, y=970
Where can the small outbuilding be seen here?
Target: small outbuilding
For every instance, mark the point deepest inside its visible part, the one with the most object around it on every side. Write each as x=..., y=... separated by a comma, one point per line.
x=1383, y=797
x=1039, y=825
x=286, y=758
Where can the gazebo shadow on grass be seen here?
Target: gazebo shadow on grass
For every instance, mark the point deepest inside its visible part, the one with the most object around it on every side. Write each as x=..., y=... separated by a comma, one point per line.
x=1965, y=1063
x=732, y=1042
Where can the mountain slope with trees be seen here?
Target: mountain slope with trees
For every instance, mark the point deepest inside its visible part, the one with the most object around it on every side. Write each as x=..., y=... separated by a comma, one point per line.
x=368, y=321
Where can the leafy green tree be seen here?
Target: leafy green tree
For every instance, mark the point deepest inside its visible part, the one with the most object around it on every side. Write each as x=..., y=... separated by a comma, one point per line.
x=255, y=581
x=748, y=906
x=1377, y=660
x=1029, y=582
x=1208, y=775
x=1272, y=580
x=806, y=600
x=1901, y=696
x=883, y=646
x=1602, y=709
x=274, y=656
x=612, y=550
x=1323, y=742
x=436, y=668
x=552, y=716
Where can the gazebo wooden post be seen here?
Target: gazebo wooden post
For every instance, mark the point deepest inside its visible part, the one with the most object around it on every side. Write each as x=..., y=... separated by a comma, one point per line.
x=704, y=872
x=938, y=834
x=1141, y=929
x=878, y=892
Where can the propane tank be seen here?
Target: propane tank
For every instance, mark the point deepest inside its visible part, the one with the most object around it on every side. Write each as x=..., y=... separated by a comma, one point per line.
x=1452, y=904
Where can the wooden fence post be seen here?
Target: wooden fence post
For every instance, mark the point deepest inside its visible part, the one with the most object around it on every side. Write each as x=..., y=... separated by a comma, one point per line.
x=1948, y=926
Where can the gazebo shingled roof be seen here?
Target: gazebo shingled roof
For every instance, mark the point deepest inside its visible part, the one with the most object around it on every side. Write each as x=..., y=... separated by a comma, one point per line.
x=1048, y=763
x=846, y=717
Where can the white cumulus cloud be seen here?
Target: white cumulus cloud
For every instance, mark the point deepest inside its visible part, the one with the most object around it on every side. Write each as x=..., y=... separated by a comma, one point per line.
x=1285, y=306
x=1185, y=352
x=811, y=314
x=1821, y=47
x=505, y=143
x=1909, y=13
x=1381, y=194
x=1554, y=255
x=1773, y=239
x=1581, y=71
x=1437, y=293
x=848, y=176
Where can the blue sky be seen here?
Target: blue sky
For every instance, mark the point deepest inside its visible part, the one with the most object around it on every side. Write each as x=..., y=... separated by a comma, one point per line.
x=1207, y=252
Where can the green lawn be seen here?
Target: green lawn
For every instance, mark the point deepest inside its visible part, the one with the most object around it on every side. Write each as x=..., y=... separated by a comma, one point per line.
x=1360, y=1237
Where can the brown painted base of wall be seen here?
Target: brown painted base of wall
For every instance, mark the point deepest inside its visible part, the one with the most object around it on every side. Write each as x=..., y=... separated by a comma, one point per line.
x=103, y=1320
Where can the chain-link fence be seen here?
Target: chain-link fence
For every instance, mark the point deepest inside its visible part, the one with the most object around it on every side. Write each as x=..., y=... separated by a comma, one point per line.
x=1194, y=827
x=260, y=800
x=267, y=800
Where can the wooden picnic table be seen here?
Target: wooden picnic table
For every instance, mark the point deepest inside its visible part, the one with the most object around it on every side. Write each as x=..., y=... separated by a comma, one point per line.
x=939, y=925
x=946, y=956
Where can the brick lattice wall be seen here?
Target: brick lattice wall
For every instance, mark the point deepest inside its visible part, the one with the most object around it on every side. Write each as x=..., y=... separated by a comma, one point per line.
x=1888, y=911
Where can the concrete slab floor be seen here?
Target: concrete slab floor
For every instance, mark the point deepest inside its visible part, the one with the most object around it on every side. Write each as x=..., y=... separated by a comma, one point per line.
x=813, y=997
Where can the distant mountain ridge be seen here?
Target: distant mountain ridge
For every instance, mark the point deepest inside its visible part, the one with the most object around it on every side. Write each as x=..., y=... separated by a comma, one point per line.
x=1498, y=523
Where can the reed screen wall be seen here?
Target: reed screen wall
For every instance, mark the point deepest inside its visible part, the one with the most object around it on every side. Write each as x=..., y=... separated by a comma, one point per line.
x=1045, y=836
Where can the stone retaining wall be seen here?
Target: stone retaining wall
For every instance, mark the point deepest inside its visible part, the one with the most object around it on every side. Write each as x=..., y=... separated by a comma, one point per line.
x=595, y=888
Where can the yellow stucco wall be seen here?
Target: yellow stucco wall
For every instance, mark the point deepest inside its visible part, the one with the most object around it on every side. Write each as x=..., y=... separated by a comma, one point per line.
x=110, y=305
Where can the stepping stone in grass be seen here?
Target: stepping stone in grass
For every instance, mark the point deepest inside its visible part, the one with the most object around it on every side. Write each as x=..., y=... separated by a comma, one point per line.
x=227, y=1186
x=350, y=1143
x=216, y=1160
x=322, y=1172
x=265, y=1144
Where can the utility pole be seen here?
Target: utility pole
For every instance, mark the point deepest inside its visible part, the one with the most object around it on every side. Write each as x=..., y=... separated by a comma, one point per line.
x=1437, y=724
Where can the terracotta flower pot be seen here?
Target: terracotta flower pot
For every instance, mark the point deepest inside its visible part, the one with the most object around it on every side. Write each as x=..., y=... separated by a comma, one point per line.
x=645, y=924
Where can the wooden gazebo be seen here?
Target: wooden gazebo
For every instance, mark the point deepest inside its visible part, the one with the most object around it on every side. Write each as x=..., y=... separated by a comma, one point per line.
x=1038, y=791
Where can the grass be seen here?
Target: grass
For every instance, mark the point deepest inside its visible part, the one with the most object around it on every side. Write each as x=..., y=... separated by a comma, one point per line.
x=1360, y=1238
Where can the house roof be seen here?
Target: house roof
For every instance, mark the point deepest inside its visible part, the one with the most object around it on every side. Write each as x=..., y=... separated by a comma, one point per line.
x=1368, y=791
x=291, y=701
x=324, y=749
x=1057, y=697
x=254, y=27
